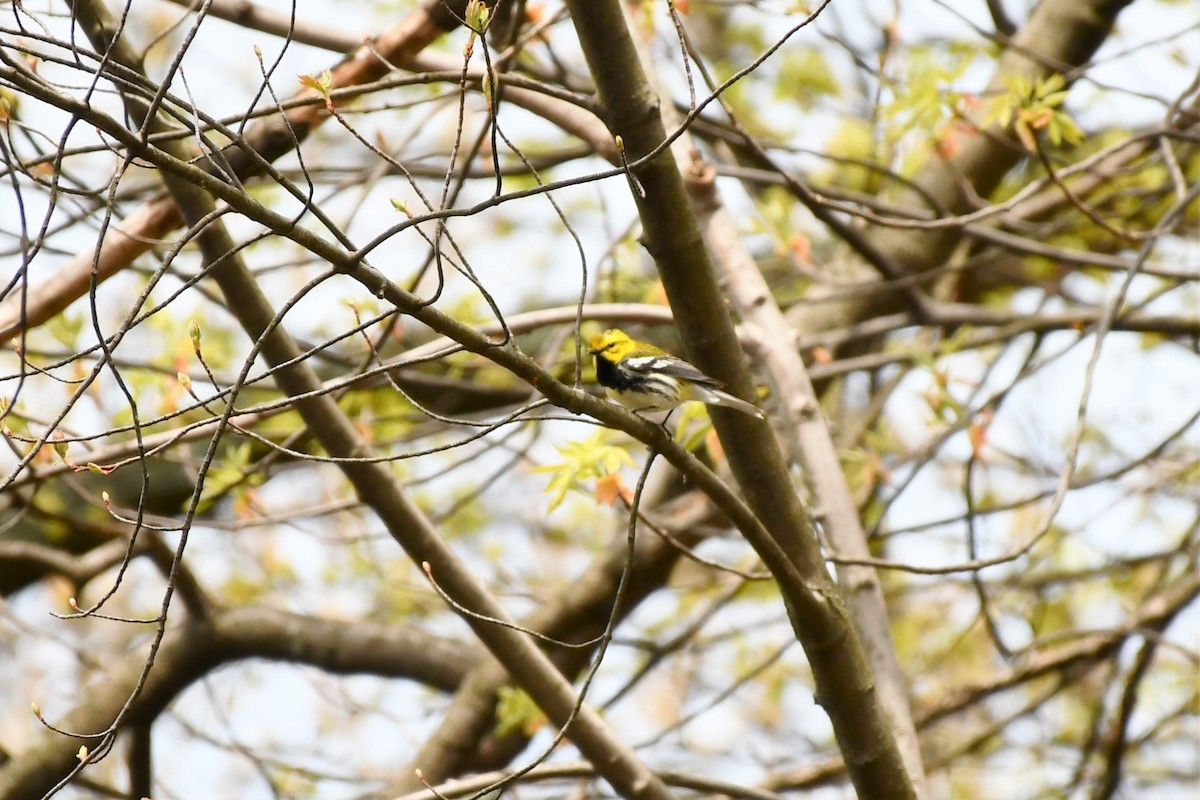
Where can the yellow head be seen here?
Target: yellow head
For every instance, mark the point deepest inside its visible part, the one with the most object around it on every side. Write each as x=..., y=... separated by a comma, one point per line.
x=614, y=344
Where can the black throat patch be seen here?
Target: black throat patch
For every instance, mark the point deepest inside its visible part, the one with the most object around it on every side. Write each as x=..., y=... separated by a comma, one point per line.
x=608, y=375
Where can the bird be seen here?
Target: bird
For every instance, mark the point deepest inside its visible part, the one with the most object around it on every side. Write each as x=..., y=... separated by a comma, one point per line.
x=643, y=378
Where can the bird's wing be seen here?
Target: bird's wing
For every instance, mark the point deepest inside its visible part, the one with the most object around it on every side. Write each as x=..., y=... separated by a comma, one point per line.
x=672, y=367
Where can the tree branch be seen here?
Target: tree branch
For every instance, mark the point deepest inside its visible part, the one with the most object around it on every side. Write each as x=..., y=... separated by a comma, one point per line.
x=845, y=685
x=375, y=483
x=268, y=139
x=1059, y=35
x=195, y=649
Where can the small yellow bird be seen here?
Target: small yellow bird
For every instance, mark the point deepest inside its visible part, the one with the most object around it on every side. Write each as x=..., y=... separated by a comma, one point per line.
x=642, y=377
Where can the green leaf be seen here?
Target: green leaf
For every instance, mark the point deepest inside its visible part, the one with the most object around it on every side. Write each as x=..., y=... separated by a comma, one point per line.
x=322, y=84
x=1037, y=105
x=805, y=76
x=691, y=437
x=65, y=328
x=234, y=469
x=516, y=712
x=584, y=460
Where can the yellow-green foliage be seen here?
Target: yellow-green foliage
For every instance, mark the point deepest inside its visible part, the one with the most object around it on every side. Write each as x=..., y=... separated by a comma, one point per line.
x=1034, y=105
x=851, y=141
x=516, y=713
x=233, y=469
x=584, y=460
x=925, y=96
x=805, y=76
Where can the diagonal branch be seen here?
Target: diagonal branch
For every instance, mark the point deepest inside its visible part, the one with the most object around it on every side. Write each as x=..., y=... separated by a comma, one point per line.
x=471, y=337
x=845, y=685
x=579, y=614
x=808, y=431
x=375, y=483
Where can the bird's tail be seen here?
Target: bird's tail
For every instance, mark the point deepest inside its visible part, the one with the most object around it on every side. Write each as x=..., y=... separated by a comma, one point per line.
x=716, y=397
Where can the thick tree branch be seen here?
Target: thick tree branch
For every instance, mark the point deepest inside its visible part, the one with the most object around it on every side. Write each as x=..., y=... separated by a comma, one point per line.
x=472, y=338
x=375, y=483
x=1071, y=660
x=461, y=743
x=193, y=650
x=808, y=431
x=845, y=685
x=1058, y=36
